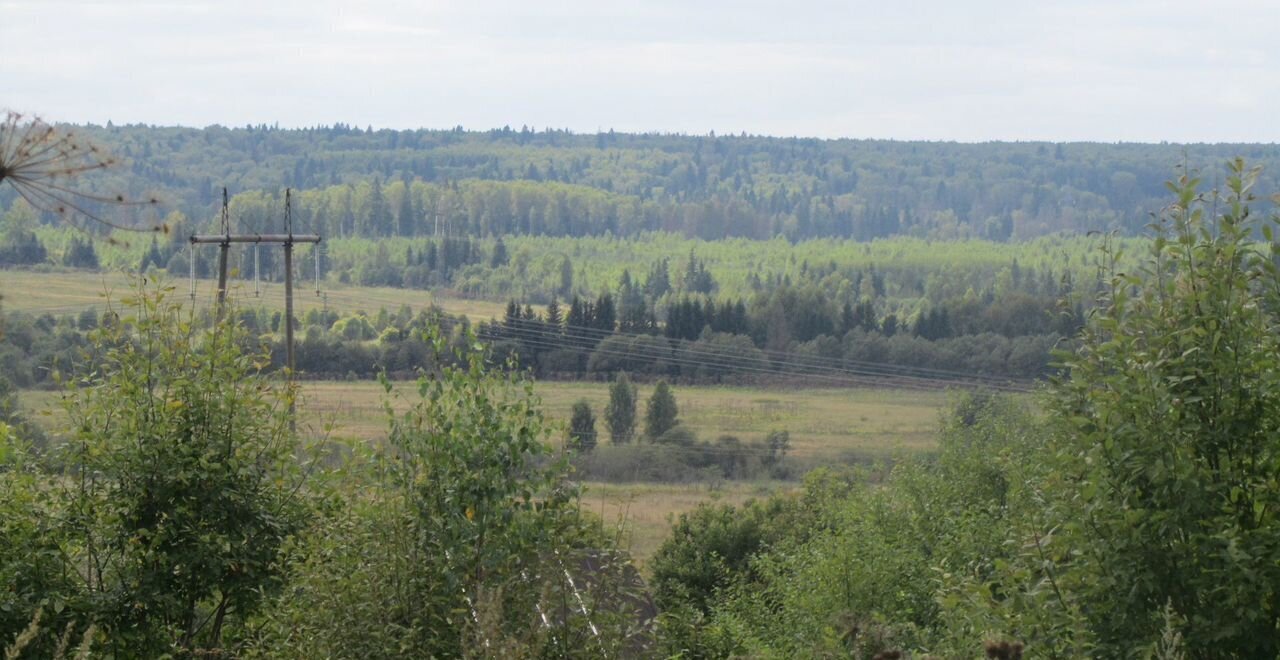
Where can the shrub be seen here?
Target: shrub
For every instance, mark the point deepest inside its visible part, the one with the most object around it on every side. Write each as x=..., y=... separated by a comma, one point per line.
x=582, y=427
x=660, y=413
x=620, y=414
x=183, y=482
x=1172, y=405
x=452, y=539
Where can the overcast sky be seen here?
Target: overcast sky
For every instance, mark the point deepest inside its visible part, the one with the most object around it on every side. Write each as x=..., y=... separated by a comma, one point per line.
x=968, y=70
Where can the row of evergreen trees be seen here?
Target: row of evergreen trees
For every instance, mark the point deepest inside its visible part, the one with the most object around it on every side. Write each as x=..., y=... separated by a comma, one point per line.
x=660, y=419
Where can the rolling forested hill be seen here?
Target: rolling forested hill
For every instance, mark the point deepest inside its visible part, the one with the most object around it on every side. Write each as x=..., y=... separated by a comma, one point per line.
x=553, y=182
x=968, y=258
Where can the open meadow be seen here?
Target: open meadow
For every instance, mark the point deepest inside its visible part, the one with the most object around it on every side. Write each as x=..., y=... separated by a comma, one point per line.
x=72, y=291
x=826, y=426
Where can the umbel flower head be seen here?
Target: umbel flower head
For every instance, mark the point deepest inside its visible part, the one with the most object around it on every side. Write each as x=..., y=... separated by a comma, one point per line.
x=41, y=161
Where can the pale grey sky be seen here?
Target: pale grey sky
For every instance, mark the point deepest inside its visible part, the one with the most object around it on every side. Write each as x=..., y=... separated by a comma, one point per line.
x=968, y=70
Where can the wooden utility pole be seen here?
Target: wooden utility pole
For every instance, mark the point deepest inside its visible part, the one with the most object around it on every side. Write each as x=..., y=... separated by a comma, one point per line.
x=223, y=246
x=287, y=239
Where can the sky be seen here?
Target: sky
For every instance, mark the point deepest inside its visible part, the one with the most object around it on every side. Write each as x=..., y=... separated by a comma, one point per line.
x=963, y=70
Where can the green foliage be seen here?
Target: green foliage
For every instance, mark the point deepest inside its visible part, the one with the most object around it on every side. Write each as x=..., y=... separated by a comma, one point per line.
x=660, y=412
x=179, y=491
x=184, y=481
x=15, y=419
x=1172, y=408
x=710, y=546
x=79, y=253
x=678, y=436
x=31, y=561
x=21, y=247
x=582, y=427
x=454, y=538
x=620, y=413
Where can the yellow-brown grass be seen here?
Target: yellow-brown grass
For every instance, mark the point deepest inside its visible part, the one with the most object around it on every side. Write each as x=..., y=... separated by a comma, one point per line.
x=71, y=292
x=825, y=425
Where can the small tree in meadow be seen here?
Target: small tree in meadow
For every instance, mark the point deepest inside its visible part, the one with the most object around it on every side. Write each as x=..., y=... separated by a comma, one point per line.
x=660, y=414
x=620, y=414
x=582, y=427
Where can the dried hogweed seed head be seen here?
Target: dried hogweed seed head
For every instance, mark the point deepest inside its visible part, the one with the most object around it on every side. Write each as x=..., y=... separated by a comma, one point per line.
x=37, y=160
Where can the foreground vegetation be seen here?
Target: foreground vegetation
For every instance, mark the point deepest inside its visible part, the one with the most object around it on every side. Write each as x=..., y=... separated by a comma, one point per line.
x=1135, y=518
x=181, y=504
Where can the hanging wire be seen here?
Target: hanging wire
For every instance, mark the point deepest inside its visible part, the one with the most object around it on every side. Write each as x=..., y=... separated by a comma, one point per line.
x=191, y=260
x=257, y=288
x=315, y=249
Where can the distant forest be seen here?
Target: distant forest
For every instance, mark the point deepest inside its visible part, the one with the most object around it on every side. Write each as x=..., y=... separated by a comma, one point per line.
x=557, y=183
x=693, y=250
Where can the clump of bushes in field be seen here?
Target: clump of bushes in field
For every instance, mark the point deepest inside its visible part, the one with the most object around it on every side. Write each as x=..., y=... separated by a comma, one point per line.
x=667, y=451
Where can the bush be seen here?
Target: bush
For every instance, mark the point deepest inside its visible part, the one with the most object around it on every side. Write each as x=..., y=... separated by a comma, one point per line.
x=582, y=427
x=642, y=462
x=660, y=412
x=450, y=540
x=180, y=495
x=1172, y=410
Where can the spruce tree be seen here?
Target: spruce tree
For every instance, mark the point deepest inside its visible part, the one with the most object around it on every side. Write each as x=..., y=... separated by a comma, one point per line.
x=582, y=427
x=660, y=414
x=620, y=414
x=554, y=317
x=499, y=257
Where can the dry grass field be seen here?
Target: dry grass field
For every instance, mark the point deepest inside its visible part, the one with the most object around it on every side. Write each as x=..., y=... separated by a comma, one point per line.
x=826, y=425
x=641, y=514
x=69, y=292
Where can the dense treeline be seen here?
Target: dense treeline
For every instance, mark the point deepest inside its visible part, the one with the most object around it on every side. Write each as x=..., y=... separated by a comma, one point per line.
x=552, y=182
x=782, y=334
x=48, y=350
x=975, y=306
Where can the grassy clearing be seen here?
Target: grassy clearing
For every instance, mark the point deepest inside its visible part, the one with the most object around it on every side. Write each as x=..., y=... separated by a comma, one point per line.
x=69, y=292
x=641, y=514
x=826, y=425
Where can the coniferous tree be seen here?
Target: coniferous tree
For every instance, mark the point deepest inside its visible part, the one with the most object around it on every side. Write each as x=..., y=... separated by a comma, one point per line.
x=582, y=427
x=620, y=414
x=554, y=318
x=379, y=218
x=407, y=219
x=661, y=411
x=577, y=319
x=889, y=326
x=80, y=253
x=500, y=257
x=605, y=317
x=153, y=258
x=659, y=281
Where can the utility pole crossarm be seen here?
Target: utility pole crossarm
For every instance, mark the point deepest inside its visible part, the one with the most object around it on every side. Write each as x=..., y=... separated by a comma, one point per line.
x=287, y=240
x=255, y=238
